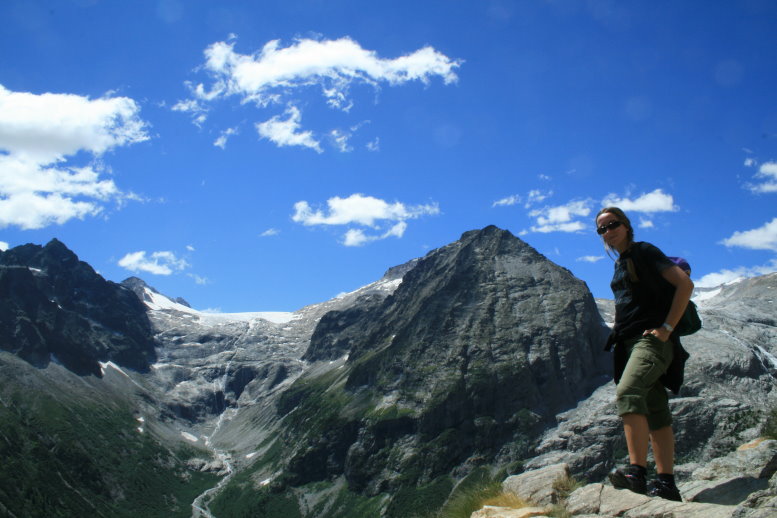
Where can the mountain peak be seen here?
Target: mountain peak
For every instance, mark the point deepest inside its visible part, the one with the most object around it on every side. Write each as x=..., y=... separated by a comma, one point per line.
x=489, y=230
x=141, y=289
x=66, y=310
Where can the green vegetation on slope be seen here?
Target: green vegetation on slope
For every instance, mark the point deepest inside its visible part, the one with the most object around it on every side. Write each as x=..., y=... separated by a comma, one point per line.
x=88, y=459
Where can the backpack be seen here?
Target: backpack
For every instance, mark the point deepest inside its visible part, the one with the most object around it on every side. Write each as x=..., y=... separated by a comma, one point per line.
x=690, y=322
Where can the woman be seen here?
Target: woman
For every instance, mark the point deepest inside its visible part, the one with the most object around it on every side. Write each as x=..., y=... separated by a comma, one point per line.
x=644, y=351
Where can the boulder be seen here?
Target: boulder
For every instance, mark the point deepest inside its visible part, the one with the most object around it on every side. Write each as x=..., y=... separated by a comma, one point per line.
x=761, y=504
x=490, y=511
x=731, y=479
x=538, y=486
x=725, y=491
x=756, y=460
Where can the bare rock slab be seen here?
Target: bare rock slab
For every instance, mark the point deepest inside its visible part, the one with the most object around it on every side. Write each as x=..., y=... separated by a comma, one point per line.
x=605, y=501
x=537, y=486
x=726, y=491
x=490, y=511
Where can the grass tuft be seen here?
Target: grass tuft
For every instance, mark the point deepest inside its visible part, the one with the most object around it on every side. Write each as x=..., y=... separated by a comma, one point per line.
x=465, y=502
x=505, y=499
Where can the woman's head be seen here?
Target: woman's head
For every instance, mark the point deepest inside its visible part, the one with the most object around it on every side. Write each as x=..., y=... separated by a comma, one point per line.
x=615, y=228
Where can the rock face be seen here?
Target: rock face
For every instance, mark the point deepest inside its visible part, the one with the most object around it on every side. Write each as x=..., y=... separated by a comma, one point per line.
x=55, y=307
x=209, y=365
x=731, y=479
x=476, y=351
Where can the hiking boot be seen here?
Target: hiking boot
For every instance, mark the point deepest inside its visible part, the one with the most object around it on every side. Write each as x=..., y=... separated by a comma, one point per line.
x=629, y=477
x=665, y=490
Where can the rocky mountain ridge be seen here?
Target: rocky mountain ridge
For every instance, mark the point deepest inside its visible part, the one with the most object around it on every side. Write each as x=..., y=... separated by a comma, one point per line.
x=479, y=356
x=55, y=307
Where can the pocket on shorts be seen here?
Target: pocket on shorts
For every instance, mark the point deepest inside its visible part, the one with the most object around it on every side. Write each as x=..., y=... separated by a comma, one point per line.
x=664, y=350
x=649, y=359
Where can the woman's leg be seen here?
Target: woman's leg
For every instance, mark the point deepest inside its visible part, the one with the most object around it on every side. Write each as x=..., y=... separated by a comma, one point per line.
x=635, y=428
x=663, y=449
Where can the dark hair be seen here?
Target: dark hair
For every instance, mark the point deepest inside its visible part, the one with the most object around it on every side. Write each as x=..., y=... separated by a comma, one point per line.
x=620, y=216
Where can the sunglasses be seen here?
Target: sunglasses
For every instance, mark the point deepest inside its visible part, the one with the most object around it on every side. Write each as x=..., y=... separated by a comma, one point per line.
x=612, y=225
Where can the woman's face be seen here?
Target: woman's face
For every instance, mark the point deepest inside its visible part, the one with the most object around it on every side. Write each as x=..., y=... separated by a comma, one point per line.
x=617, y=238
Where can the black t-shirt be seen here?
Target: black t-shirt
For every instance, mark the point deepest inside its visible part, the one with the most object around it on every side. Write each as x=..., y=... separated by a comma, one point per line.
x=636, y=306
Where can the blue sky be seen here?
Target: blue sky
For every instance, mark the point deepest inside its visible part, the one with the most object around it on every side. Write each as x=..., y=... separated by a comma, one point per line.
x=262, y=156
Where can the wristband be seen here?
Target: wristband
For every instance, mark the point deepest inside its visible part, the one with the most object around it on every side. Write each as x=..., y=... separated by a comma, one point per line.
x=668, y=327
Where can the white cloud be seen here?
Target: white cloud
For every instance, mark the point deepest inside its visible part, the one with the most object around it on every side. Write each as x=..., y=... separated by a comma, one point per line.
x=762, y=238
x=340, y=140
x=656, y=201
x=508, y=201
x=331, y=64
x=39, y=137
x=364, y=211
x=272, y=75
x=287, y=132
x=646, y=223
x=572, y=226
x=566, y=218
x=189, y=105
x=202, y=281
x=357, y=208
x=374, y=145
x=3, y=246
x=270, y=232
x=562, y=213
x=767, y=174
x=768, y=169
x=221, y=141
x=590, y=258
x=536, y=196
x=727, y=275
x=561, y=218
x=195, y=108
x=357, y=236
x=159, y=263
x=750, y=162
x=190, y=248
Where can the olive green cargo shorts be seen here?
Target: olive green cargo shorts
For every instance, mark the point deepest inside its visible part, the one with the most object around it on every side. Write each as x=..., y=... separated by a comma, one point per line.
x=640, y=390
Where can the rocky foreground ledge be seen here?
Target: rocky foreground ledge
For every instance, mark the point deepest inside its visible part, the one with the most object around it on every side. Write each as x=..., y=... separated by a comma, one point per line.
x=742, y=484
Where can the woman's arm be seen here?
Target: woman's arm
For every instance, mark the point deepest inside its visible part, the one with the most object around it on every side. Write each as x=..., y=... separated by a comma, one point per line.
x=682, y=294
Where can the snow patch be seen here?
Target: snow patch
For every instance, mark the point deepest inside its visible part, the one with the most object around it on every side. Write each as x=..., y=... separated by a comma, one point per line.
x=251, y=455
x=387, y=286
x=707, y=295
x=104, y=367
x=140, y=429
x=189, y=437
x=275, y=317
x=158, y=302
